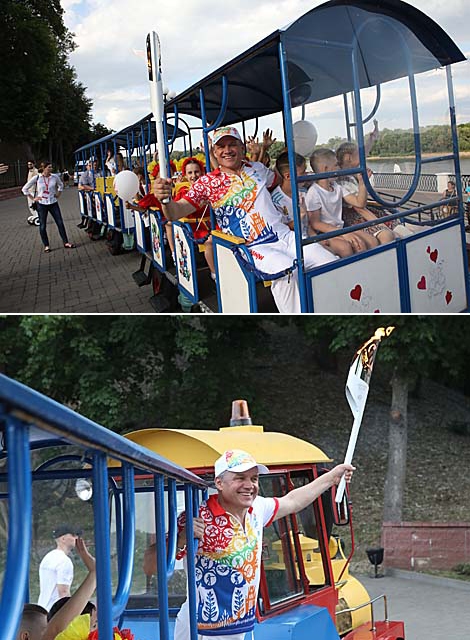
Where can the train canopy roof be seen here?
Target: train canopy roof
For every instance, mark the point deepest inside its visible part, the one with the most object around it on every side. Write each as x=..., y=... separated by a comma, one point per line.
x=133, y=133
x=199, y=448
x=389, y=39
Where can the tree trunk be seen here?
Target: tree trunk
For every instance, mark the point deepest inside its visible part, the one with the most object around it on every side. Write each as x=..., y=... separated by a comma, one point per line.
x=397, y=443
x=61, y=155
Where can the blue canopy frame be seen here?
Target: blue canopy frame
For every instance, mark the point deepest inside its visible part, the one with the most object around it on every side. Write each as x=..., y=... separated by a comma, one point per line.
x=30, y=420
x=337, y=48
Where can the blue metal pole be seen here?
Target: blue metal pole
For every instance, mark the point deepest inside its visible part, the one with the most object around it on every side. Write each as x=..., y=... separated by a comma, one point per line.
x=128, y=542
x=159, y=494
x=102, y=546
x=16, y=575
x=458, y=177
x=191, y=569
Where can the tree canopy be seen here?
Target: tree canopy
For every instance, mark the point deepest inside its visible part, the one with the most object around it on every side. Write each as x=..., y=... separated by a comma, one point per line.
x=126, y=371
x=129, y=372
x=400, y=142
x=45, y=105
x=133, y=372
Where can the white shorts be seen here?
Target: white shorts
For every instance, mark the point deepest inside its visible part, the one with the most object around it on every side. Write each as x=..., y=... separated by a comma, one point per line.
x=182, y=630
x=280, y=255
x=273, y=257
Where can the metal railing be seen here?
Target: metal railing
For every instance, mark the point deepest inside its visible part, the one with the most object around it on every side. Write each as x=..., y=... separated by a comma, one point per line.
x=16, y=175
x=402, y=181
x=370, y=604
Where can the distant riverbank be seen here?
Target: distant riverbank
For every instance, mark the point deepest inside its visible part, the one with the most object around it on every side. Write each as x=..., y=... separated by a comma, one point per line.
x=462, y=155
x=406, y=164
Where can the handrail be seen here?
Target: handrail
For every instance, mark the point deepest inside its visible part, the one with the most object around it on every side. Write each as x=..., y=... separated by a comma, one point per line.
x=60, y=420
x=373, y=111
x=222, y=110
x=172, y=528
x=206, y=129
x=175, y=131
x=127, y=552
x=371, y=604
x=414, y=110
x=26, y=414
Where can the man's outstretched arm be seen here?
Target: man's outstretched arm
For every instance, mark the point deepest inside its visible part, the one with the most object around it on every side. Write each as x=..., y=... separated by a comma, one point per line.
x=299, y=498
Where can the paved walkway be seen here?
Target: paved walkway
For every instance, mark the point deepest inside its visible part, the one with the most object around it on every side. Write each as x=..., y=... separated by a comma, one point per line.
x=87, y=279
x=432, y=608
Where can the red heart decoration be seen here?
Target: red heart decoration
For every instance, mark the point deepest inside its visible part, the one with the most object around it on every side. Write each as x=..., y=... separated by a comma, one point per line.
x=433, y=255
x=428, y=249
x=356, y=293
x=448, y=297
x=422, y=283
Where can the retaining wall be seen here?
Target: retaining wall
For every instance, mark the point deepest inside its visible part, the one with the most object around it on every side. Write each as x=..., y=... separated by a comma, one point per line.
x=425, y=545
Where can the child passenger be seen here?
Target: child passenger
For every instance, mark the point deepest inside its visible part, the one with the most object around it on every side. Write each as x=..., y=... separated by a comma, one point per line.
x=347, y=155
x=324, y=203
x=282, y=194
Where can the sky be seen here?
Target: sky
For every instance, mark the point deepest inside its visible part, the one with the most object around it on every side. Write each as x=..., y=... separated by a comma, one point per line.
x=199, y=36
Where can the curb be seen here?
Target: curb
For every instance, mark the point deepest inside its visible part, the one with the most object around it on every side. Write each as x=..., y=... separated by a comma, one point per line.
x=428, y=579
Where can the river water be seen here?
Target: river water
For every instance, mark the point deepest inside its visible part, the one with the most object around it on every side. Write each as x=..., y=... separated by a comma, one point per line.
x=407, y=166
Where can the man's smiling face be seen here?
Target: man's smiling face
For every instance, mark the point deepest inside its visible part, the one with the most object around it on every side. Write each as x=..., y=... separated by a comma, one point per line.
x=229, y=153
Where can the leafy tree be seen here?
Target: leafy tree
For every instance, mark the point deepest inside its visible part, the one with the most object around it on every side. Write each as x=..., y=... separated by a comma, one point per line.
x=68, y=114
x=276, y=149
x=44, y=106
x=27, y=56
x=129, y=372
x=333, y=143
x=99, y=130
x=464, y=136
x=176, y=154
x=51, y=12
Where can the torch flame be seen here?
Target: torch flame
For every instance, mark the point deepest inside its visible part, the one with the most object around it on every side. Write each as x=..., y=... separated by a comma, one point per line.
x=368, y=349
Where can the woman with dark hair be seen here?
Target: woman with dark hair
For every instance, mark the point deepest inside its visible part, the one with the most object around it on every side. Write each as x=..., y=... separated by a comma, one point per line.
x=48, y=188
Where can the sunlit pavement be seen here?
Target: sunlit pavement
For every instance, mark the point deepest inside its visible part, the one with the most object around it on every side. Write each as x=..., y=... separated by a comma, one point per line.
x=87, y=279
x=432, y=608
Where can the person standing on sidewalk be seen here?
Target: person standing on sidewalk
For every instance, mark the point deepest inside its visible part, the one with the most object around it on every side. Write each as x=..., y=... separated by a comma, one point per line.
x=48, y=189
x=56, y=568
x=32, y=171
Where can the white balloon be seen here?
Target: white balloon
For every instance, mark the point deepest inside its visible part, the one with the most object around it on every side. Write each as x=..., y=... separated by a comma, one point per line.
x=305, y=137
x=126, y=184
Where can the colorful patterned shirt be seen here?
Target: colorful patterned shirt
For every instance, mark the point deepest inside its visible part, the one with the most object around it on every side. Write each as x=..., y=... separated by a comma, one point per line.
x=228, y=563
x=283, y=204
x=242, y=203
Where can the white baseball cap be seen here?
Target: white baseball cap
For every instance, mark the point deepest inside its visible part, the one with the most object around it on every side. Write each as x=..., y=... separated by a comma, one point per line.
x=237, y=461
x=226, y=131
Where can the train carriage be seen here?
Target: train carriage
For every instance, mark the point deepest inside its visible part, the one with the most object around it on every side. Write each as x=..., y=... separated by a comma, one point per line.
x=126, y=492
x=340, y=50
